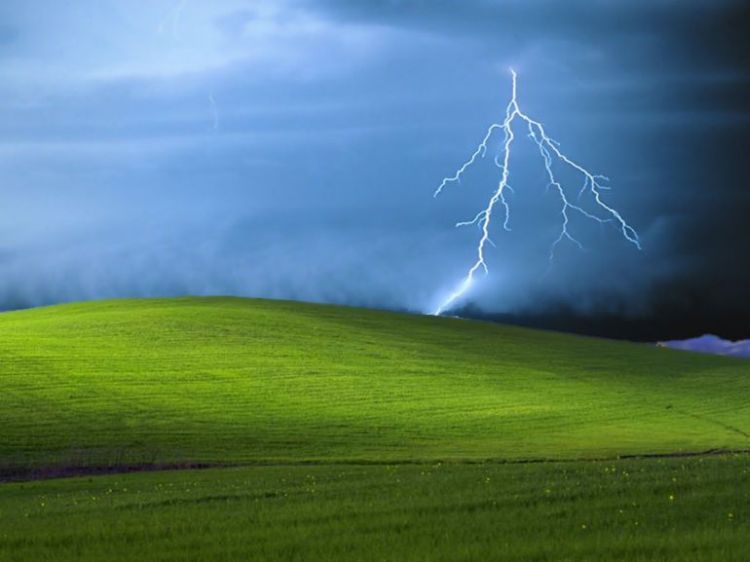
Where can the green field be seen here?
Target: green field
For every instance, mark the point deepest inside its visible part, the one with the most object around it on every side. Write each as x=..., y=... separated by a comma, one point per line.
x=360, y=434
x=657, y=509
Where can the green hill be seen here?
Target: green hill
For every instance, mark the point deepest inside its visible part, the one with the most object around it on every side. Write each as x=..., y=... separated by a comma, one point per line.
x=226, y=380
x=345, y=419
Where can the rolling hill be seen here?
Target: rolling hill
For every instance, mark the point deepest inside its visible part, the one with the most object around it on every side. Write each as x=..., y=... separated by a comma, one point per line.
x=233, y=381
x=359, y=435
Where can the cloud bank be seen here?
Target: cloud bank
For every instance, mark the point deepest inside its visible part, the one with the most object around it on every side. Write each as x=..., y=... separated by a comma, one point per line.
x=289, y=149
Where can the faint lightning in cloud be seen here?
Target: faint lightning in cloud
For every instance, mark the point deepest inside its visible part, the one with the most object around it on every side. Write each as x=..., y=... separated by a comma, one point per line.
x=214, y=110
x=175, y=14
x=176, y=19
x=549, y=149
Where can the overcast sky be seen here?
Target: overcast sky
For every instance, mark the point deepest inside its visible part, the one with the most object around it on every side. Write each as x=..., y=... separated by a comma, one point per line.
x=289, y=149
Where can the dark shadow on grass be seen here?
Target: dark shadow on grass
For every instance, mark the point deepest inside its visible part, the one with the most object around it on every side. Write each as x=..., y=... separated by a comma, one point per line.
x=25, y=474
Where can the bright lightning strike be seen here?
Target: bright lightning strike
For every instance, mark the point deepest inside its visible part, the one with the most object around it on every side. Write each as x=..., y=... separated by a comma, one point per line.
x=549, y=149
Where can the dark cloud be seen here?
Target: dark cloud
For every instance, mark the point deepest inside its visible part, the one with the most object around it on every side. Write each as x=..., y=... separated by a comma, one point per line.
x=335, y=121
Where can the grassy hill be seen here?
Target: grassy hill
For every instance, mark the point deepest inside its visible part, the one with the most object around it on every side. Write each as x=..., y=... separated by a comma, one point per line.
x=366, y=436
x=225, y=380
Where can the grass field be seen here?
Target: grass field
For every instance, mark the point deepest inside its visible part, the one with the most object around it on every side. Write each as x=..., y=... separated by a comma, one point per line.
x=362, y=435
x=692, y=509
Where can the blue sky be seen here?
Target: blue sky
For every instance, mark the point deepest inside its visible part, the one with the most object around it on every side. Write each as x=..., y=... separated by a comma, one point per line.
x=290, y=149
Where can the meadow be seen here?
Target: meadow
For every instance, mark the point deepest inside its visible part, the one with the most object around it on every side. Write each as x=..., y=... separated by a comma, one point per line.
x=691, y=509
x=355, y=434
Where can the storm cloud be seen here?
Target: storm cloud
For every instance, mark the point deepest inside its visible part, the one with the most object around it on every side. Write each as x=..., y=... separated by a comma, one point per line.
x=289, y=149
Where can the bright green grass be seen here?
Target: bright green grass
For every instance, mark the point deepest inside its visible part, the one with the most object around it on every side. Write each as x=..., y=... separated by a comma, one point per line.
x=224, y=380
x=692, y=509
x=233, y=381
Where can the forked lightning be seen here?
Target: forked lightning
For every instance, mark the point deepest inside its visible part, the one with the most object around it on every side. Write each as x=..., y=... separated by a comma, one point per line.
x=549, y=149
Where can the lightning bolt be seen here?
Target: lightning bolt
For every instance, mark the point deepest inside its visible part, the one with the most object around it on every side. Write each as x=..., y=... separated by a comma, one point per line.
x=549, y=149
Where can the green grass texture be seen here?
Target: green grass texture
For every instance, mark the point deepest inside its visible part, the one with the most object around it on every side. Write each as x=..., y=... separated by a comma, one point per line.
x=238, y=381
x=681, y=509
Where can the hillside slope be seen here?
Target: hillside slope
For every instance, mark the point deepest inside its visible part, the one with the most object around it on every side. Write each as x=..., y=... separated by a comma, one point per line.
x=225, y=380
